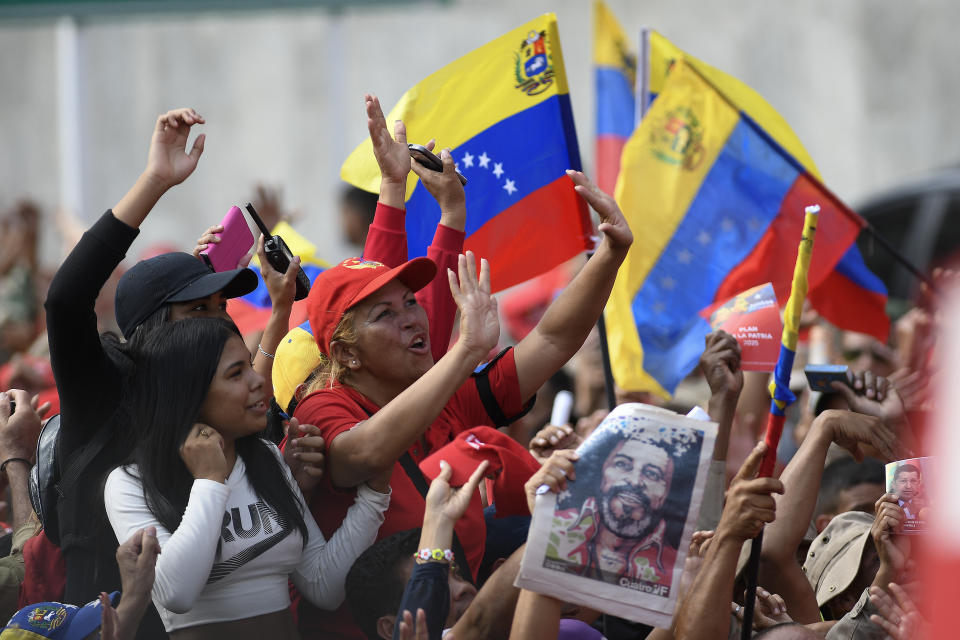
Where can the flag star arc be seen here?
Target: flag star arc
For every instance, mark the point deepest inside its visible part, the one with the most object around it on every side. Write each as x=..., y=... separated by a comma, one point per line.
x=498, y=169
x=467, y=160
x=510, y=186
x=484, y=160
x=704, y=238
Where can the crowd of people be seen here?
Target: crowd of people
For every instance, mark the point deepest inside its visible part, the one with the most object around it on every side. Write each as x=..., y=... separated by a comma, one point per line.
x=378, y=480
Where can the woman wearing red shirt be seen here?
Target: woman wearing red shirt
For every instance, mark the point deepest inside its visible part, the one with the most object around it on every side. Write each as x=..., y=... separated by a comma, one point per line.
x=381, y=400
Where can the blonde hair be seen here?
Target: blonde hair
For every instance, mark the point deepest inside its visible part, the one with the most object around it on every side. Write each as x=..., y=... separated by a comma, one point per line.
x=330, y=371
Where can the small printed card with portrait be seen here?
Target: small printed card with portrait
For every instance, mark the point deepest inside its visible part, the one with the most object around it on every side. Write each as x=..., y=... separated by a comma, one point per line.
x=616, y=538
x=908, y=480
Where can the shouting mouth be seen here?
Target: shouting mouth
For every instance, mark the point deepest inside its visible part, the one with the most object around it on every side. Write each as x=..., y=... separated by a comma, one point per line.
x=419, y=345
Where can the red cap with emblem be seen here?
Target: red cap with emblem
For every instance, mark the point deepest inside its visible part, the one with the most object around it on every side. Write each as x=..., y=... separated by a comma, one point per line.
x=511, y=465
x=349, y=283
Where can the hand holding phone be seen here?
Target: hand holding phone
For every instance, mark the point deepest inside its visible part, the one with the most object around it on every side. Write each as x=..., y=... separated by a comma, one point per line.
x=430, y=160
x=236, y=241
x=819, y=376
x=279, y=255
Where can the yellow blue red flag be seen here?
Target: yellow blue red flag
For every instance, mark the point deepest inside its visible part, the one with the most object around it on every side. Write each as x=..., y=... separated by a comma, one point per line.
x=716, y=206
x=614, y=73
x=504, y=110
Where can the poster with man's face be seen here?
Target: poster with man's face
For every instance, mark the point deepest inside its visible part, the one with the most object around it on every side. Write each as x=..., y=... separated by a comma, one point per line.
x=907, y=479
x=616, y=538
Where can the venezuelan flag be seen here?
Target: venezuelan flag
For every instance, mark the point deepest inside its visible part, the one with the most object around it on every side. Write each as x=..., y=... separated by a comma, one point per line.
x=716, y=206
x=504, y=110
x=251, y=312
x=615, y=71
x=851, y=296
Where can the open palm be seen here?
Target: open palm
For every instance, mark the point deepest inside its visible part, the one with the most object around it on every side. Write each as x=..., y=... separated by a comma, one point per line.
x=168, y=160
x=479, y=321
x=449, y=502
x=391, y=153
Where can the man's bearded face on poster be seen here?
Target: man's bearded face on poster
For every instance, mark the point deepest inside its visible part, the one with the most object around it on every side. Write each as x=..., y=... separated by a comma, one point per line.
x=634, y=485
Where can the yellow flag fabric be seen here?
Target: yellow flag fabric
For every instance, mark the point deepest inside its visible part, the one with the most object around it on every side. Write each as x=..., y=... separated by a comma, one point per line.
x=655, y=196
x=663, y=53
x=462, y=99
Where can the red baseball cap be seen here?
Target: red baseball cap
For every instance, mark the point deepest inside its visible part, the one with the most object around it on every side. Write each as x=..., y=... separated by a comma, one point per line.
x=349, y=283
x=511, y=465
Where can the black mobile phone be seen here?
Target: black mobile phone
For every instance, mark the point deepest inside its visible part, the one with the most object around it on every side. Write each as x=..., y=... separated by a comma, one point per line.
x=13, y=407
x=430, y=160
x=279, y=255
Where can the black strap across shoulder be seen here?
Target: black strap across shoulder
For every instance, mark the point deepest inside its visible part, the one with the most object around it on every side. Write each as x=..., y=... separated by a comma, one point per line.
x=419, y=481
x=416, y=476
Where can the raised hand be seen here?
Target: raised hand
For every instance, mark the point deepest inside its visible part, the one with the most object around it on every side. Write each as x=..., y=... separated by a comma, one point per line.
x=445, y=502
x=554, y=474
x=898, y=615
x=19, y=431
x=720, y=363
x=699, y=543
x=202, y=452
x=749, y=504
x=392, y=153
x=304, y=454
x=553, y=438
x=479, y=322
x=168, y=162
x=409, y=631
x=770, y=610
x=862, y=435
x=208, y=237
x=616, y=232
x=444, y=186
x=282, y=287
x=893, y=549
x=872, y=395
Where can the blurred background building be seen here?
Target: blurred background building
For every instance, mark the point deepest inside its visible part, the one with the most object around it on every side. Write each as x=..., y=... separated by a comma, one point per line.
x=868, y=85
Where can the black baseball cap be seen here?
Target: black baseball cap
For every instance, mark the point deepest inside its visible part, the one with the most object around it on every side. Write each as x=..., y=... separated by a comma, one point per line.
x=173, y=277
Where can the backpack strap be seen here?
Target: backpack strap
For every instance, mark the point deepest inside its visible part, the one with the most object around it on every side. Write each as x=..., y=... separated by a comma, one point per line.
x=80, y=461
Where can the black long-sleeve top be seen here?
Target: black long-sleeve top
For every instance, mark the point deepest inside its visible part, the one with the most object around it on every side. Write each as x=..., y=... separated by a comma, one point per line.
x=90, y=372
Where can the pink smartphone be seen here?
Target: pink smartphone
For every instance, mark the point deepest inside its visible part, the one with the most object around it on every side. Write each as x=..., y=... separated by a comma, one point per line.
x=235, y=241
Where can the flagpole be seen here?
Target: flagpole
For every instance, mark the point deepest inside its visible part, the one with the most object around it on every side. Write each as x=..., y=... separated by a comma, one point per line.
x=781, y=396
x=902, y=259
x=641, y=89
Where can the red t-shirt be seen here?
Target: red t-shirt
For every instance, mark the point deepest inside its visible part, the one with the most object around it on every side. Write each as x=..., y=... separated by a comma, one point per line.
x=490, y=397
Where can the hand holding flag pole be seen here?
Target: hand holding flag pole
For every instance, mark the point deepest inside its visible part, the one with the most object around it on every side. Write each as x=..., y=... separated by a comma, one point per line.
x=781, y=396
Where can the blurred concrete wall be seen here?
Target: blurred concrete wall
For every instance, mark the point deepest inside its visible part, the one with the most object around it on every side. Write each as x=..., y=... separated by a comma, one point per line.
x=870, y=86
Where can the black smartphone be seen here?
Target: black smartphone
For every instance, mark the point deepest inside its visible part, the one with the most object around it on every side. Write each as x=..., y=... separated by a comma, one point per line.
x=430, y=160
x=279, y=255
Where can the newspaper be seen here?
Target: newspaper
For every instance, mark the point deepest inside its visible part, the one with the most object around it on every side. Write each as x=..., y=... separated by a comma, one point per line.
x=616, y=539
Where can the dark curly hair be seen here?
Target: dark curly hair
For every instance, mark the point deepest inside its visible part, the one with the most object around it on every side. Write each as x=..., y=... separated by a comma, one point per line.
x=590, y=472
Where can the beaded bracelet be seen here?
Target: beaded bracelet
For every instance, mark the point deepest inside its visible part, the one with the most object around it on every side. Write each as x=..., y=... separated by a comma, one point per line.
x=434, y=555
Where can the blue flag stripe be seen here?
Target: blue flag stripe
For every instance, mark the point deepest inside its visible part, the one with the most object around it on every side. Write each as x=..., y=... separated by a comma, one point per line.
x=735, y=205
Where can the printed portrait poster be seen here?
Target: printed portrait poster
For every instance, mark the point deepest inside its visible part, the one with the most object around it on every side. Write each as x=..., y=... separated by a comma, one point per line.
x=908, y=480
x=753, y=318
x=616, y=539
